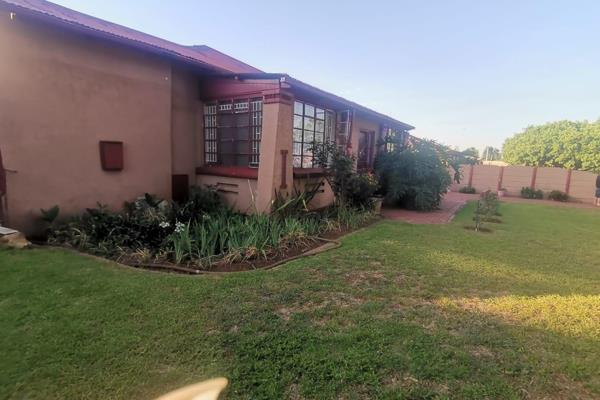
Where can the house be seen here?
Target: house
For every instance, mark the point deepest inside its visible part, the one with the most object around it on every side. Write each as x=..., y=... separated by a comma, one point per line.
x=91, y=111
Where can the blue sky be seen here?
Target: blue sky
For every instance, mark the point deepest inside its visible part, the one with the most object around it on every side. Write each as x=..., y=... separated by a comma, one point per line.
x=466, y=73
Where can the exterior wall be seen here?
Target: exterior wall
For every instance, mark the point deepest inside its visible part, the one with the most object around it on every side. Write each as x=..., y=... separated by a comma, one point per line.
x=60, y=94
x=486, y=177
x=514, y=178
x=548, y=179
x=322, y=199
x=186, y=123
x=276, y=137
x=583, y=186
x=238, y=192
x=579, y=185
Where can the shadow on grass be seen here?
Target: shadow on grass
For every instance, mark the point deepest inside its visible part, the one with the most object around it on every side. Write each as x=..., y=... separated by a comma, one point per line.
x=438, y=349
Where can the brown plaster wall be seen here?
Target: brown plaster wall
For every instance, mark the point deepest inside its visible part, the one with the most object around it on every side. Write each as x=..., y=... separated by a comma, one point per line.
x=582, y=184
x=60, y=94
x=239, y=193
x=186, y=123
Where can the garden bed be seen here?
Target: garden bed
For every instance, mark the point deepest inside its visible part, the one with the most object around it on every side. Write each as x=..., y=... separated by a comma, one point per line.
x=320, y=244
x=203, y=235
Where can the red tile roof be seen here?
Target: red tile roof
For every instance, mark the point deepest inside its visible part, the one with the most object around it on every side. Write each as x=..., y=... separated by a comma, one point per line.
x=201, y=55
x=225, y=61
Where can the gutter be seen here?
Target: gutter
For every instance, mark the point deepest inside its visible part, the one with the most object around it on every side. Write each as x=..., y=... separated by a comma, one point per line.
x=295, y=83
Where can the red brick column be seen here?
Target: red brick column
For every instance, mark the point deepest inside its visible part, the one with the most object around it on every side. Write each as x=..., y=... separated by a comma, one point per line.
x=533, y=177
x=470, y=176
x=568, y=183
x=500, y=177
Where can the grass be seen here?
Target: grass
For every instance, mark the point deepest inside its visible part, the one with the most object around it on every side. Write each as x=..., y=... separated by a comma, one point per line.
x=398, y=312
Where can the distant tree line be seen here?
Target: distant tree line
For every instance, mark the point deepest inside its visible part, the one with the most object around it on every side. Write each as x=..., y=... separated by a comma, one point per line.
x=566, y=144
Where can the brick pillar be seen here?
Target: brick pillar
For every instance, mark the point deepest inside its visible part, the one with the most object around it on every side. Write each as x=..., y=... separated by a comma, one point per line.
x=533, y=177
x=471, y=167
x=568, y=183
x=276, y=137
x=500, y=177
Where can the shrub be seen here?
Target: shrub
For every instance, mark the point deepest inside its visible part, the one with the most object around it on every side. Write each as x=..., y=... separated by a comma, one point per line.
x=50, y=215
x=296, y=204
x=530, y=193
x=361, y=188
x=351, y=188
x=467, y=189
x=415, y=178
x=487, y=209
x=149, y=228
x=557, y=195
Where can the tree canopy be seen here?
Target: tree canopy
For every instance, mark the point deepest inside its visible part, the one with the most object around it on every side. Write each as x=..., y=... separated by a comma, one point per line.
x=566, y=144
x=471, y=155
x=491, y=154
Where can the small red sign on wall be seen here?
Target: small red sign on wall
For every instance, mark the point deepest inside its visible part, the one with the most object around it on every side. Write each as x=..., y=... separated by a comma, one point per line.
x=111, y=155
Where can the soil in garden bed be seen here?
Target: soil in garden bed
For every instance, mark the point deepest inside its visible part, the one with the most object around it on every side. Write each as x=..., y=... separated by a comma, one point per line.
x=249, y=265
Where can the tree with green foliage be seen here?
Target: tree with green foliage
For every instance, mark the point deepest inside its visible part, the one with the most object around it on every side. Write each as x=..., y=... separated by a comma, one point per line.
x=566, y=144
x=470, y=155
x=416, y=177
x=491, y=154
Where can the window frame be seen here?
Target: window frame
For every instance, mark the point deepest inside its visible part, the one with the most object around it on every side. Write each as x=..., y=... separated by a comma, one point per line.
x=214, y=126
x=390, y=137
x=329, y=126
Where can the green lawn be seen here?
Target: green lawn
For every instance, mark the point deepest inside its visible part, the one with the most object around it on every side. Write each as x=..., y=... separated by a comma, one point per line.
x=399, y=311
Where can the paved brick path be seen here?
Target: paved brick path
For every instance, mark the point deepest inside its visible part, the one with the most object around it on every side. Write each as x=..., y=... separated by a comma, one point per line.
x=451, y=203
x=454, y=201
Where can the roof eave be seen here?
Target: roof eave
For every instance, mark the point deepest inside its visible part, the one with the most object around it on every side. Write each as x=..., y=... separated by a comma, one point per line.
x=285, y=78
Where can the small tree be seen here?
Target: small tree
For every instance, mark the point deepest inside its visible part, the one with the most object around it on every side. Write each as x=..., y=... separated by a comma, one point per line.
x=416, y=177
x=487, y=209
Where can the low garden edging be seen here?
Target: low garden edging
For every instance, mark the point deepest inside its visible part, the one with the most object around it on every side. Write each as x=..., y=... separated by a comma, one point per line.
x=203, y=234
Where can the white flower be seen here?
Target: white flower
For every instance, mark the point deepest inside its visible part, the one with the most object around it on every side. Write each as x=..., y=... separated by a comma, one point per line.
x=164, y=224
x=179, y=227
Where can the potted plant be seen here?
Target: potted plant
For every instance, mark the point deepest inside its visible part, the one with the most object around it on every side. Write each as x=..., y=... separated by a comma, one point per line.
x=501, y=192
x=377, y=201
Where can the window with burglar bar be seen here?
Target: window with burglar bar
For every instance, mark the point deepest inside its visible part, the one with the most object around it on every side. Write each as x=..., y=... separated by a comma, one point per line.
x=232, y=132
x=312, y=127
x=393, y=139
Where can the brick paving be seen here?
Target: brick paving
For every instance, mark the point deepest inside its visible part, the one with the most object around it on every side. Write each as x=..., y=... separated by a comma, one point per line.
x=451, y=203
x=454, y=201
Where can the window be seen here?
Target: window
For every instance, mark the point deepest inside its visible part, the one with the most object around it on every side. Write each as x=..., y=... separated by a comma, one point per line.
x=232, y=132
x=393, y=138
x=312, y=126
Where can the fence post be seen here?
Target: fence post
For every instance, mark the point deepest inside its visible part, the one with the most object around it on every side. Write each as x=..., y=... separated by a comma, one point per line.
x=500, y=177
x=533, y=178
x=568, y=183
x=470, y=176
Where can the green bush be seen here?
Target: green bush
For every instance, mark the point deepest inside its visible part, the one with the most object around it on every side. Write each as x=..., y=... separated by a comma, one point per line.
x=530, y=193
x=467, y=189
x=415, y=178
x=351, y=188
x=201, y=200
x=557, y=195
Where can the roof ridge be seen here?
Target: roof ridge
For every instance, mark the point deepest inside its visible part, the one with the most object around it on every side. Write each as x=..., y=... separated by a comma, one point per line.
x=88, y=22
